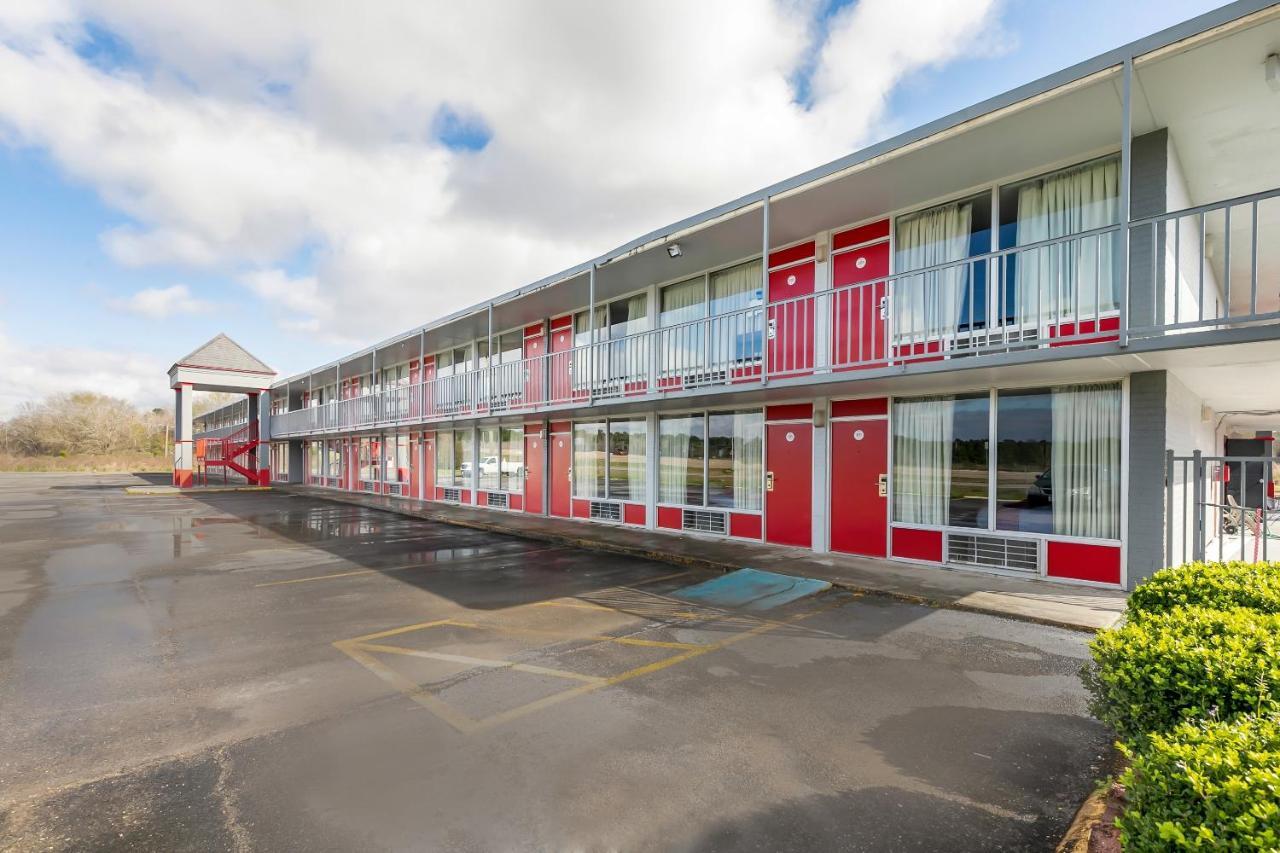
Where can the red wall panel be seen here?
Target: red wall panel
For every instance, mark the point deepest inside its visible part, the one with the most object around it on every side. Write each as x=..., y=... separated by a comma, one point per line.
x=791, y=255
x=860, y=408
x=581, y=508
x=1084, y=562
x=789, y=412
x=670, y=517
x=862, y=234
x=633, y=514
x=515, y=501
x=915, y=544
x=745, y=525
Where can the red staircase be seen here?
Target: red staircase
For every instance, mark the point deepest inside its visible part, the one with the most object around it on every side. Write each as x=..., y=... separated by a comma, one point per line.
x=237, y=451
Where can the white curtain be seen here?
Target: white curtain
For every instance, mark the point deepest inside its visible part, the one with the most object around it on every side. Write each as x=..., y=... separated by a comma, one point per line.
x=682, y=348
x=673, y=456
x=748, y=461
x=928, y=306
x=735, y=337
x=1050, y=278
x=588, y=461
x=922, y=430
x=1086, y=461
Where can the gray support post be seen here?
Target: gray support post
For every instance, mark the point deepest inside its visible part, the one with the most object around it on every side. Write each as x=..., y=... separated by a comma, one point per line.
x=591, y=335
x=764, y=290
x=183, y=446
x=1126, y=170
x=1197, y=509
x=1169, y=475
x=1147, y=439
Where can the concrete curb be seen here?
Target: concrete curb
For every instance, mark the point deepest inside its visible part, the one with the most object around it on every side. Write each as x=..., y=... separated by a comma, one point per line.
x=683, y=560
x=193, y=492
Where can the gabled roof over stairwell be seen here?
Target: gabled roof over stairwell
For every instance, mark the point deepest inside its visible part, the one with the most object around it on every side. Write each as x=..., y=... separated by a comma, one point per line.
x=221, y=364
x=222, y=353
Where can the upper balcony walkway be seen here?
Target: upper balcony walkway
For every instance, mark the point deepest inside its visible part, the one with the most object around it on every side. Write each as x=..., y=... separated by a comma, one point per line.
x=1039, y=296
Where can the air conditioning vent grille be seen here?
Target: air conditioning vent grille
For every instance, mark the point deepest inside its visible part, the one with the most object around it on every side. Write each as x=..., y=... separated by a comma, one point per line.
x=996, y=552
x=704, y=521
x=496, y=499
x=605, y=511
x=454, y=495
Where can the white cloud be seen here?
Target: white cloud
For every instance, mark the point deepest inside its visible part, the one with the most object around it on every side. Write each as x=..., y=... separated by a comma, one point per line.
x=158, y=303
x=33, y=373
x=258, y=133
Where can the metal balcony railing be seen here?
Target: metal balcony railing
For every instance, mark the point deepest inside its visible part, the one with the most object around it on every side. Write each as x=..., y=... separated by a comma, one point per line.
x=1056, y=292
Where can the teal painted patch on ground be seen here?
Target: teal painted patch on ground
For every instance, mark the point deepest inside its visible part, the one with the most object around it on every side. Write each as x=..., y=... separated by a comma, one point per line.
x=751, y=589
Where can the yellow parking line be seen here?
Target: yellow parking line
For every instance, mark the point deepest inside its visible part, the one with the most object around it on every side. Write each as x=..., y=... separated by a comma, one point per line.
x=483, y=662
x=444, y=563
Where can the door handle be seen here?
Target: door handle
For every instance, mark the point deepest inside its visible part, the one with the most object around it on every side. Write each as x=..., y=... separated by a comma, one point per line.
x=768, y=481
x=882, y=485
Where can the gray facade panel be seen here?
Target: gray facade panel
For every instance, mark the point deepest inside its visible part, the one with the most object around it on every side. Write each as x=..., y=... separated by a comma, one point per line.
x=1148, y=196
x=1147, y=440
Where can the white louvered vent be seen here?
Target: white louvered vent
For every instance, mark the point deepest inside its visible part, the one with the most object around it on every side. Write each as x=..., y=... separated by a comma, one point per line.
x=996, y=552
x=454, y=495
x=605, y=511
x=704, y=521
x=497, y=499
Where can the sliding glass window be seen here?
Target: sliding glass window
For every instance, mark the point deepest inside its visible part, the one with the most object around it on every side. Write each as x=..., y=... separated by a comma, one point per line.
x=940, y=460
x=454, y=458
x=1056, y=463
x=713, y=459
x=609, y=460
x=941, y=301
x=490, y=455
x=1065, y=278
x=511, y=466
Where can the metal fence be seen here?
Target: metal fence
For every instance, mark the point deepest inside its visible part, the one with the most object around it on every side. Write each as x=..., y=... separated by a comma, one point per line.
x=1219, y=508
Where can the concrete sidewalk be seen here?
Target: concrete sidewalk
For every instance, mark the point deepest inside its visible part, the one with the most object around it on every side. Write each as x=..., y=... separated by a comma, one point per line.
x=1065, y=605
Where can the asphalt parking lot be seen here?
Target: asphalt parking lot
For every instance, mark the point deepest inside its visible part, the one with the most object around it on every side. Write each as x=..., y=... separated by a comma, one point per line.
x=261, y=671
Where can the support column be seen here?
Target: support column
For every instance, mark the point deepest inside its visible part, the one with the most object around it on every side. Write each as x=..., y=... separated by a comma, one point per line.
x=183, y=444
x=256, y=459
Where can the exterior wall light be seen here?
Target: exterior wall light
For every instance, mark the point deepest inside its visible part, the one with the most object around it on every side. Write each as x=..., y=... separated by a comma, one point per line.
x=674, y=250
x=1272, y=68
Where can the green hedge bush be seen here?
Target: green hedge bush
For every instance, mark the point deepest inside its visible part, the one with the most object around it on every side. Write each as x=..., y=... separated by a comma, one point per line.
x=1208, y=785
x=1217, y=585
x=1150, y=674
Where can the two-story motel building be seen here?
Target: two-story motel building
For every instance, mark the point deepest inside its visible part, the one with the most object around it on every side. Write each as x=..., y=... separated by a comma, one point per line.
x=967, y=346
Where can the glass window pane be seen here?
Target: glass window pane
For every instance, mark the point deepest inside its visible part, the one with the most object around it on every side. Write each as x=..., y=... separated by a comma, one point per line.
x=680, y=458
x=444, y=458
x=682, y=302
x=489, y=458
x=735, y=442
x=463, y=457
x=736, y=288
x=970, y=465
x=921, y=459
x=627, y=450
x=511, y=478
x=589, y=460
x=628, y=316
x=1024, y=439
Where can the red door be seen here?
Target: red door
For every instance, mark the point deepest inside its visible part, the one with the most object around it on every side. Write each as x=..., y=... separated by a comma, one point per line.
x=859, y=327
x=790, y=336
x=561, y=345
x=533, y=449
x=859, y=479
x=561, y=454
x=429, y=466
x=788, y=499
x=535, y=366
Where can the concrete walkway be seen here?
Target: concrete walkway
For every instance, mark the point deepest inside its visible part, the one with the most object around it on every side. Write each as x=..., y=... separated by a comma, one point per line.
x=1065, y=605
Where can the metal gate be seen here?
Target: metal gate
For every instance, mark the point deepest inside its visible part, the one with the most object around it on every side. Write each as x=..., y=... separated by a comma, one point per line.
x=1220, y=508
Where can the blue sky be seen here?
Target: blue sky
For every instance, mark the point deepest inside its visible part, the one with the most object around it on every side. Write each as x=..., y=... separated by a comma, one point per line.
x=305, y=188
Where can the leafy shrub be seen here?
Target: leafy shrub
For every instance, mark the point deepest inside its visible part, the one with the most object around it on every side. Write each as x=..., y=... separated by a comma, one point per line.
x=1152, y=673
x=1209, y=785
x=1218, y=585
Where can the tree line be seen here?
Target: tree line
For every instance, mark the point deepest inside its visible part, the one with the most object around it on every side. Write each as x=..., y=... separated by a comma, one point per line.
x=86, y=423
